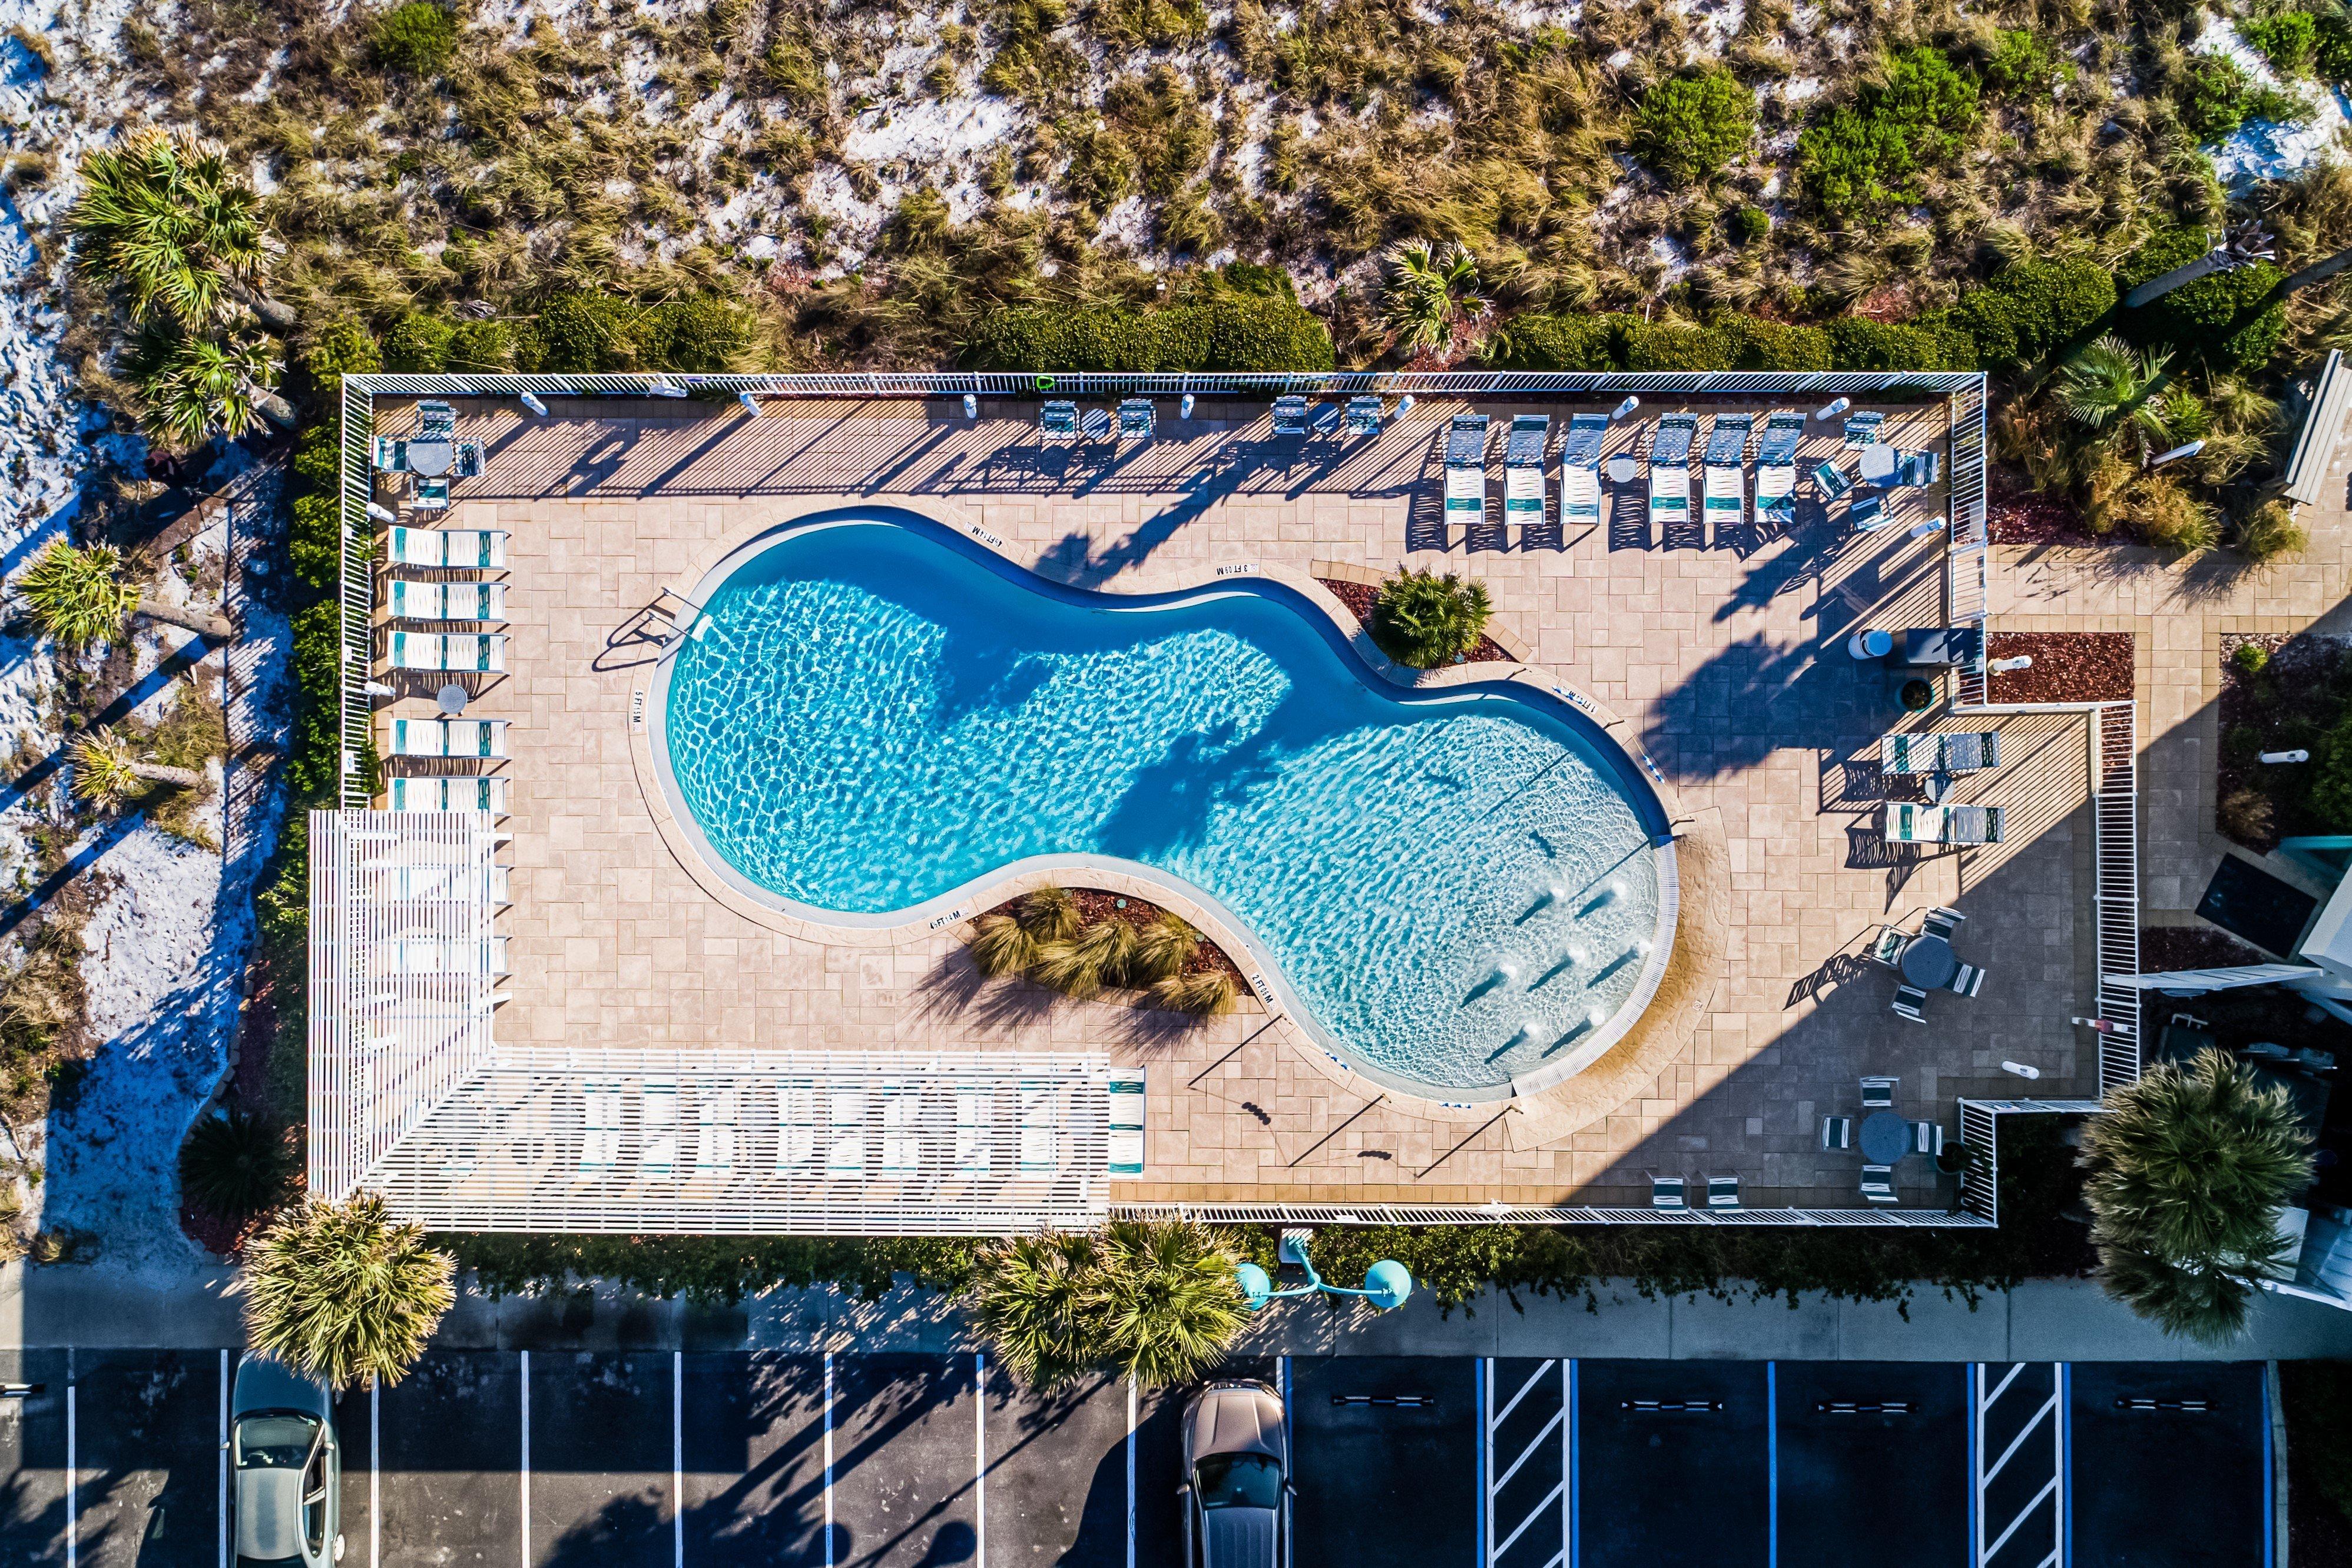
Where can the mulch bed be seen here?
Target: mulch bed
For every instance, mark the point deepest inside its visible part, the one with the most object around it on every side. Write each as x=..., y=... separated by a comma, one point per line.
x=2017, y=514
x=1095, y=904
x=2193, y=947
x=1359, y=596
x=2301, y=693
x=2068, y=667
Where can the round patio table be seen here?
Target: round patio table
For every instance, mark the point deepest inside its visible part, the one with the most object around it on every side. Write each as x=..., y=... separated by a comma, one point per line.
x=1886, y=1138
x=1622, y=469
x=1930, y=963
x=433, y=459
x=1877, y=463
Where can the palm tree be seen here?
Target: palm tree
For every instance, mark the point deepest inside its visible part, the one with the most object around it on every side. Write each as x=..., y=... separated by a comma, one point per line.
x=236, y=1163
x=342, y=1292
x=1425, y=620
x=79, y=596
x=1427, y=289
x=107, y=772
x=163, y=218
x=2110, y=382
x=211, y=384
x=1167, y=1299
x=2185, y=1173
x=1028, y=1296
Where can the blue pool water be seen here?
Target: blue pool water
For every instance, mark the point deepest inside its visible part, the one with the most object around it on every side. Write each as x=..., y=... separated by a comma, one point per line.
x=874, y=714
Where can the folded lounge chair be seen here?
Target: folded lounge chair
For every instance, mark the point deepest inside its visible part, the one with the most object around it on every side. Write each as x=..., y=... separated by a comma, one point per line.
x=1726, y=473
x=478, y=738
x=483, y=652
x=1465, y=469
x=1878, y=1183
x=1523, y=482
x=1832, y=480
x=464, y=549
x=1902, y=822
x=1670, y=445
x=1776, y=469
x=1866, y=514
x=448, y=795
x=448, y=601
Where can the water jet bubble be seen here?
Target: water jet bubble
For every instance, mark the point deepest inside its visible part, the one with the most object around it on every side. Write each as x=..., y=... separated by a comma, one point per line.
x=1597, y=1017
x=1642, y=947
x=1576, y=953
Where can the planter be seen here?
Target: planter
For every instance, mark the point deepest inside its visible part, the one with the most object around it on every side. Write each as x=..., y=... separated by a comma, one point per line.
x=1917, y=696
x=1953, y=1158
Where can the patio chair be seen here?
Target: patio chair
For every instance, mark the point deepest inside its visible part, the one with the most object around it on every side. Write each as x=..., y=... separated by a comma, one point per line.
x=1058, y=418
x=1887, y=946
x=1668, y=1193
x=1878, y=1093
x=389, y=455
x=436, y=419
x=1971, y=751
x=658, y=1128
x=1916, y=470
x=1523, y=481
x=1837, y=1134
x=483, y=550
x=1465, y=469
x=714, y=1137
x=1038, y=1147
x=1290, y=415
x=901, y=1146
x=1878, y=1183
x=600, y=1147
x=1925, y=1137
x=1866, y=514
x=1907, y=1003
x=434, y=650
x=972, y=1119
x=1723, y=1192
x=795, y=1128
x=478, y=602
x=1363, y=415
x=1861, y=428
x=1967, y=981
x=1725, y=480
x=1832, y=481
x=846, y=1155
x=431, y=494
x=469, y=460
x=1126, y=1125
x=1670, y=444
x=1137, y=418
x=1942, y=922
x=1973, y=825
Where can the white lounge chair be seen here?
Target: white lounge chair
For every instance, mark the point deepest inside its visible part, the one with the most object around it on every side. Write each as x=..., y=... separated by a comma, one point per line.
x=1040, y=1142
x=845, y=1155
x=469, y=550
x=448, y=795
x=482, y=738
x=1966, y=752
x=795, y=1128
x=715, y=1110
x=971, y=1120
x=1465, y=469
x=1670, y=446
x=657, y=1129
x=1902, y=822
x=481, y=651
x=1776, y=469
x=427, y=884
x=1580, y=470
x=600, y=1117
x=1126, y=1126
x=448, y=601
x=1523, y=483
x=1726, y=471
x=440, y=956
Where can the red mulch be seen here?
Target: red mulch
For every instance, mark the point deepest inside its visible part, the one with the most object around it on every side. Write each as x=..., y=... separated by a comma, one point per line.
x=1359, y=596
x=2068, y=667
x=1095, y=904
x=2017, y=514
x=2192, y=947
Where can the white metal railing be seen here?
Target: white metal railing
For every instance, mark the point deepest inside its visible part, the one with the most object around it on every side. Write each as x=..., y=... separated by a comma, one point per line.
x=1980, y=1130
x=1530, y=1214
x=1966, y=538
x=2115, y=801
x=1028, y=383
x=356, y=588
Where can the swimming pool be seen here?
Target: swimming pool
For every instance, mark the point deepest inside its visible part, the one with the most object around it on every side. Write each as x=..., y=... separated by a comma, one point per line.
x=1455, y=888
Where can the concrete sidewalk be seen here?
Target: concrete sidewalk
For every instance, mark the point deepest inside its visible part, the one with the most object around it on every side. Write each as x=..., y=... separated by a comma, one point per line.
x=2047, y=1320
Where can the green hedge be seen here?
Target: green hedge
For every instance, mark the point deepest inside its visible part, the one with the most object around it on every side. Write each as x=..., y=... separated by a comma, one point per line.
x=1241, y=332
x=2034, y=308
x=2218, y=320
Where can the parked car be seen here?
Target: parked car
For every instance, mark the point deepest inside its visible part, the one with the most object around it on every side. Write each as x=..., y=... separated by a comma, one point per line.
x=281, y=1439
x=1236, y=1495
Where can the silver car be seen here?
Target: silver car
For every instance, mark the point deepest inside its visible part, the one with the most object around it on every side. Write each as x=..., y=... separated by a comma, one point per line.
x=281, y=1440
x=1235, y=1498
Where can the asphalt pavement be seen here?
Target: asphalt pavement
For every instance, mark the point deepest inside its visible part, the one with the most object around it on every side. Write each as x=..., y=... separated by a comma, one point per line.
x=661, y=1459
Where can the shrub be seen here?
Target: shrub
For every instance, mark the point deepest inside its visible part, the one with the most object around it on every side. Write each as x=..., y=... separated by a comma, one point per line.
x=1236, y=332
x=2333, y=48
x=2246, y=816
x=2184, y=1176
x=342, y=347
x=2251, y=658
x=704, y=332
x=314, y=542
x=1156, y=1300
x=2022, y=65
x=1000, y=947
x=1750, y=225
x=1858, y=343
x=236, y=1164
x=1209, y=994
x=1423, y=620
x=2331, y=776
x=2032, y=309
x=1070, y=967
x=2288, y=41
x=2221, y=318
x=1675, y=346
x=1162, y=949
x=580, y=332
x=1692, y=127
x=1104, y=948
x=77, y=595
x=480, y=345
x=2269, y=531
x=417, y=344
x=1051, y=915
x=419, y=38
x=1542, y=342
x=793, y=72
x=709, y=1269
x=2214, y=97
x=1867, y=156
x=342, y=1292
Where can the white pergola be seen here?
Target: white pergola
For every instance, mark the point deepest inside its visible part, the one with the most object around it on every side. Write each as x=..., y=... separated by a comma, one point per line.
x=412, y=1097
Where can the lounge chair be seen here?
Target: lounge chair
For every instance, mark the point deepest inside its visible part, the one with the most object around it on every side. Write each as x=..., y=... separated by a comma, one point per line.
x=1972, y=824
x=476, y=737
x=1832, y=481
x=467, y=550
x=1059, y=418
x=1909, y=1001
x=1878, y=1093
x=714, y=1136
x=427, y=882
x=1137, y=418
x=1861, y=428
x=1866, y=514
x=1670, y=444
x=1580, y=470
x=449, y=794
x=448, y=601
x=1126, y=1126
x=1726, y=473
x=1523, y=481
x=845, y=1154
x=1776, y=469
x=1916, y=469
x=795, y=1126
x=1290, y=415
x=482, y=652
x=389, y=454
x=1878, y=1183
x=1967, y=752
x=972, y=1121
x=1038, y=1145
x=901, y=1147
x=1364, y=416
x=1669, y=1193
x=440, y=956
x=600, y=1120
x=1723, y=1192
x=1967, y=980
x=1837, y=1134
x=657, y=1129
x=1971, y=750
x=1465, y=469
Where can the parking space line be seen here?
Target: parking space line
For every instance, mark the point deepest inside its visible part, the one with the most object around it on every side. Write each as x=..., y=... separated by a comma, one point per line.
x=1772, y=1464
x=1972, y=1449
x=829, y=1460
x=1482, y=1400
x=525, y=1466
x=1568, y=1457
x=677, y=1456
x=375, y=1468
x=73, y=1504
x=2063, y=1551
x=980, y=1449
x=1289, y=1468
x=1130, y=1474
x=221, y=1514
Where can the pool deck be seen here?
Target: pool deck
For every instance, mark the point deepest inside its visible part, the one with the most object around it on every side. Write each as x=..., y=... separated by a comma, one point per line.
x=1724, y=657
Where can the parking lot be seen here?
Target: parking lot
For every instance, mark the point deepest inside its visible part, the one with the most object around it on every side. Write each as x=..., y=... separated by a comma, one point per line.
x=657, y=1459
